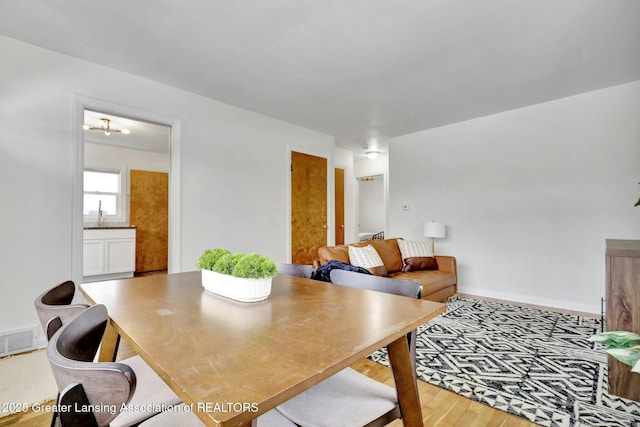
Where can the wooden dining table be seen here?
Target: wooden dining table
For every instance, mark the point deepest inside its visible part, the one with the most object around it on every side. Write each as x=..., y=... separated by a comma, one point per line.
x=232, y=361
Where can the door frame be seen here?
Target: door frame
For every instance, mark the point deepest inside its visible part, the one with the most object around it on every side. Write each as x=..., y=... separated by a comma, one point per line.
x=82, y=103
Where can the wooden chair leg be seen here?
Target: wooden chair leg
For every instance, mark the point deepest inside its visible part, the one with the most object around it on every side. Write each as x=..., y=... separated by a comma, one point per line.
x=110, y=344
x=406, y=386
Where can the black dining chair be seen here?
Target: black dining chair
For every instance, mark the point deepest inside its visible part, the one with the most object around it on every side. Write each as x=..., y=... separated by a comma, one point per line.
x=298, y=270
x=350, y=398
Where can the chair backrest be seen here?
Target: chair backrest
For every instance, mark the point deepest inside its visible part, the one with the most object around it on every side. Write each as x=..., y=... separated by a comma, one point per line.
x=299, y=270
x=107, y=386
x=381, y=284
x=376, y=283
x=55, y=309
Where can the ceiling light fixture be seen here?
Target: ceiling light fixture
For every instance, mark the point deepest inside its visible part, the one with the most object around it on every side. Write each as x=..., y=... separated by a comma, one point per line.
x=106, y=128
x=372, y=154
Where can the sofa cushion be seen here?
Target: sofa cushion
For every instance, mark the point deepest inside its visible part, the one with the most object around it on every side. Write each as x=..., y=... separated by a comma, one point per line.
x=390, y=254
x=367, y=257
x=432, y=280
x=420, y=263
x=338, y=253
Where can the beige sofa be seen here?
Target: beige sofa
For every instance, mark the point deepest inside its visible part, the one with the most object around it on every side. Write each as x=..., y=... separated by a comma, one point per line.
x=437, y=284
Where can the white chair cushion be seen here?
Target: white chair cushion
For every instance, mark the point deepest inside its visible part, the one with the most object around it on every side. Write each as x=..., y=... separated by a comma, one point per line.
x=348, y=398
x=150, y=391
x=182, y=416
x=274, y=418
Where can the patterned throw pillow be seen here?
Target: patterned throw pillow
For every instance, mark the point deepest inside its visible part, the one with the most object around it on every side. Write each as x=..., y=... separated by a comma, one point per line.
x=417, y=255
x=367, y=257
x=414, y=248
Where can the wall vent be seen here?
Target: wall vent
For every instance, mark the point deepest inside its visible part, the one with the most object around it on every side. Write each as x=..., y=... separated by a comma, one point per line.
x=18, y=341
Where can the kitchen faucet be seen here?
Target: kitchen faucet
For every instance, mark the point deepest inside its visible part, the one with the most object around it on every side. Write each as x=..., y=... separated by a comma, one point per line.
x=99, y=213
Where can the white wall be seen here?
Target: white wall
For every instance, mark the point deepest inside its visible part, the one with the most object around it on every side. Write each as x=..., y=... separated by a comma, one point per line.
x=528, y=196
x=104, y=156
x=234, y=171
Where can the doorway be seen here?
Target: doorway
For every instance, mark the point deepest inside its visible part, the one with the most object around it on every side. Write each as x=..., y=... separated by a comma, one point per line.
x=137, y=154
x=371, y=206
x=172, y=145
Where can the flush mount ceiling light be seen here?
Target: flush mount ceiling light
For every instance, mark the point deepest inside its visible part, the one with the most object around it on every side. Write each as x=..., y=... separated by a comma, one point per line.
x=372, y=154
x=106, y=128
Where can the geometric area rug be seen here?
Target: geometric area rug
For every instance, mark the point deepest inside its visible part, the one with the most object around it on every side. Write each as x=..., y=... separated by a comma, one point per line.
x=532, y=363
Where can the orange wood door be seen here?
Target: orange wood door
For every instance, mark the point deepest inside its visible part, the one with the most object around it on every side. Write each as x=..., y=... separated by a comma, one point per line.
x=308, y=207
x=339, y=205
x=150, y=215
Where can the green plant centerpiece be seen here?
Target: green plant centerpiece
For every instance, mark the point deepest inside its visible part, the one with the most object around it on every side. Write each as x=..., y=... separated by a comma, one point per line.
x=239, y=276
x=622, y=345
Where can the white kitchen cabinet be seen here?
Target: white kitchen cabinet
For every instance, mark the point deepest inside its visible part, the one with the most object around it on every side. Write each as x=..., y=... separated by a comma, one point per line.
x=108, y=253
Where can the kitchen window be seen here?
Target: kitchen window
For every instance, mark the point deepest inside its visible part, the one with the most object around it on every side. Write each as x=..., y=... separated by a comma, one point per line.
x=102, y=191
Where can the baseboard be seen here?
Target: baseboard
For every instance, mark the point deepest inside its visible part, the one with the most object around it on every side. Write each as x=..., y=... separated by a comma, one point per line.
x=593, y=310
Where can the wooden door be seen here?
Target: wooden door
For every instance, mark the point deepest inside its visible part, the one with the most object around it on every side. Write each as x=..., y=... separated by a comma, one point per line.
x=150, y=214
x=339, y=205
x=308, y=207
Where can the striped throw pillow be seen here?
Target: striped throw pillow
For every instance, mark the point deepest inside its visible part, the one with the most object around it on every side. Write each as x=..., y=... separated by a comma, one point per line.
x=367, y=257
x=410, y=249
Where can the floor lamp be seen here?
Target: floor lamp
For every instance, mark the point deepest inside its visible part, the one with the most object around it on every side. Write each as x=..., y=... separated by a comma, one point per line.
x=433, y=230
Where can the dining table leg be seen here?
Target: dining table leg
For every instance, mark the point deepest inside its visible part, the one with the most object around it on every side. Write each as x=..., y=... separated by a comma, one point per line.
x=109, y=344
x=406, y=386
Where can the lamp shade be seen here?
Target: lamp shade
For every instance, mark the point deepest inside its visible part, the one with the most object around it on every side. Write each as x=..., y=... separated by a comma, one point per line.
x=433, y=229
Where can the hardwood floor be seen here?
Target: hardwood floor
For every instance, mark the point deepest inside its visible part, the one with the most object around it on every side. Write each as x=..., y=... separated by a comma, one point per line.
x=440, y=408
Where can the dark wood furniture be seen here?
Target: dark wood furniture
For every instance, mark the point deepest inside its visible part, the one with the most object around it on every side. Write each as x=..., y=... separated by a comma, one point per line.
x=623, y=309
x=215, y=353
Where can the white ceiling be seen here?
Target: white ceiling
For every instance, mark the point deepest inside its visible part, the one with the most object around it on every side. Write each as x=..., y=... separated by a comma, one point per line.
x=362, y=70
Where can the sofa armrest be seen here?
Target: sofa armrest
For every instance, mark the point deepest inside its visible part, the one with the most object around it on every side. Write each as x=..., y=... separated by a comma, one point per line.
x=447, y=263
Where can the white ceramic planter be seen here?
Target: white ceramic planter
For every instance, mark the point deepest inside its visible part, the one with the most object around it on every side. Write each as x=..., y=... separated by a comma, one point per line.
x=236, y=288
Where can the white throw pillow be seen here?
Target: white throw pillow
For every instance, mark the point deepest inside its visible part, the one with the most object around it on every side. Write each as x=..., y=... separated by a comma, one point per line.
x=409, y=249
x=367, y=257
